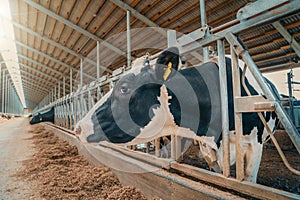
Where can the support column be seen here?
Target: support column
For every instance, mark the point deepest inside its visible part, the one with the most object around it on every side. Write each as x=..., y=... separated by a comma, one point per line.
x=58, y=90
x=6, y=92
x=171, y=38
x=98, y=69
x=291, y=109
x=0, y=80
x=3, y=77
x=81, y=71
x=203, y=24
x=55, y=93
x=98, y=60
x=64, y=86
x=128, y=40
x=71, y=80
x=224, y=107
x=240, y=169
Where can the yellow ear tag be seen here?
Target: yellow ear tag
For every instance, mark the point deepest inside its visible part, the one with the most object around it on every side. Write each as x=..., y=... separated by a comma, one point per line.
x=167, y=71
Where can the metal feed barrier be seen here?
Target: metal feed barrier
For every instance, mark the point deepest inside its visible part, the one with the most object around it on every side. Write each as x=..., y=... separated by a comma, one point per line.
x=73, y=107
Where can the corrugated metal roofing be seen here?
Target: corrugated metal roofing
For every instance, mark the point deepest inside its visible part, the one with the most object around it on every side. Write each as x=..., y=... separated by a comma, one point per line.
x=107, y=20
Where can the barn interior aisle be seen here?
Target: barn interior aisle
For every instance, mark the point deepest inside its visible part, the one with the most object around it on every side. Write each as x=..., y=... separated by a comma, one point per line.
x=16, y=146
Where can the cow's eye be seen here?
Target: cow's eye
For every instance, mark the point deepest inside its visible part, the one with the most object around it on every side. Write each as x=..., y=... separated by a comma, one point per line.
x=124, y=90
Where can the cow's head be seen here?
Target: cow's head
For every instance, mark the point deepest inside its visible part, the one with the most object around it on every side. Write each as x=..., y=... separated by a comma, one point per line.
x=36, y=119
x=119, y=116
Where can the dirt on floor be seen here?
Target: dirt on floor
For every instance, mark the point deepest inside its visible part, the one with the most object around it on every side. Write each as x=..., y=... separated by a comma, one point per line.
x=57, y=171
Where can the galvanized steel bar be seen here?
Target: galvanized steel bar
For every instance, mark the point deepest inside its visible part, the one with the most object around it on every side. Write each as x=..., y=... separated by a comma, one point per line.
x=0, y=81
x=203, y=24
x=98, y=60
x=81, y=71
x=128, y=38
x=171, y=35
x=6, y=92
x=55, y=93
x=282, y=115
x=3, y=78
x=290, y=39
x=189, y=45
x=240, y=170
x=224, y=101
x=64, y=86
x=71, y=80
x=58, y=89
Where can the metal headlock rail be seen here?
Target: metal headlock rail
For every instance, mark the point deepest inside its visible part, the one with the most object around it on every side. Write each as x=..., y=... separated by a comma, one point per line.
x=73, y=107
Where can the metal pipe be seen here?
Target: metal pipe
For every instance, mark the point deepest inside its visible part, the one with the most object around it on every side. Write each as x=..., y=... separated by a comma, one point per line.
x=55, y=93
x=58, y=90
x=3, y=77
x=284, y=118
x=8, y=97
x=171, y=38
x=81, y=71
x=128, y=39
x=291, y=109
x=71, y=80
x=240, y=162
x=13, y=99
x=224, y=107
x=6, y=88
x=98, y=60
x=0, y=80
x=203, y=24
x=64, y=86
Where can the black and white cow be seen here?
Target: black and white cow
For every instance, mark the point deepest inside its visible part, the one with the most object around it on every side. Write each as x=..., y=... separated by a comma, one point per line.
x=47, y=116
x=195, y=104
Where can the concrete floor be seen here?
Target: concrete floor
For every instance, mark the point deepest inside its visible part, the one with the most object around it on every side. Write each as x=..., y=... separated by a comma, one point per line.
x=15, y=147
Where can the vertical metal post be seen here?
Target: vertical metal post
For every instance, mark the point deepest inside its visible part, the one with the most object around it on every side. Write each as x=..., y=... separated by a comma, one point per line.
x=171, y=38
x=0, y=80
x=52, y=95
x=98, y=60
x=7, y=97
x=58, y=90
x=240, y=170
x=81, y=71
x=13, y=100
x=224, y=101
x=64, y=86
x=71, y=80
x=203, y=23
x=291, y=110
x=128, y=40
x=6, y=91
x=55, y=93
x=3, y=77
x=98, y=68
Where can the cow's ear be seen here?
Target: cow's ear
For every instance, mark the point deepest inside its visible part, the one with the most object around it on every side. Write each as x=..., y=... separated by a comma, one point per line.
x=167, y=63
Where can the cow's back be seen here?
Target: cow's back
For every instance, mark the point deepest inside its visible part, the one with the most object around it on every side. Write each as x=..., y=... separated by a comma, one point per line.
x=196, y=102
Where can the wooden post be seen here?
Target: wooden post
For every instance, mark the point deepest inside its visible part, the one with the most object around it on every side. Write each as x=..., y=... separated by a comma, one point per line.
x=240, y=171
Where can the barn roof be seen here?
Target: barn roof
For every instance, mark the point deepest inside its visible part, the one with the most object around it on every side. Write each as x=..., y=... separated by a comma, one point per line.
x=52, y=36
